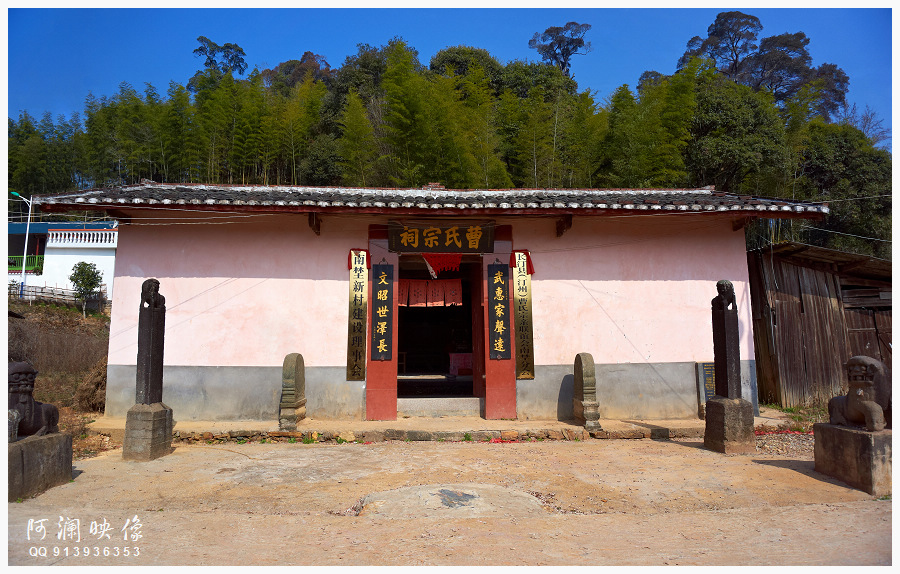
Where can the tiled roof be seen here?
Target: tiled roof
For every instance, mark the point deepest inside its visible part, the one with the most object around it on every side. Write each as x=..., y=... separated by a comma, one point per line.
x=430, y=199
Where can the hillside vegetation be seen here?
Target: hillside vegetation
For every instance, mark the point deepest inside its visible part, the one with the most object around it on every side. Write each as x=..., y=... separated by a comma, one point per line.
x=746, y=113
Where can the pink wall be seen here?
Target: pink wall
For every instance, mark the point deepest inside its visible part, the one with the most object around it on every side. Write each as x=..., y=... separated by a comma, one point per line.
x=626, y=290
x=632, y=289
x=243, y=294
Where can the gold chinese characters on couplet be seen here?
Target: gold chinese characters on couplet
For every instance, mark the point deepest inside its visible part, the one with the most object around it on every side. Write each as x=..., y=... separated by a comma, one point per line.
x=498, y=312
x=522, y=312
x=356, y=330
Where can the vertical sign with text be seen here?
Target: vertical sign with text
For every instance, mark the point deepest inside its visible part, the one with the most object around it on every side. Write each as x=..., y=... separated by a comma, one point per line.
x=356, y=329
x=522, y=310
x=382, y=311
x=707, y=375
x=498, y=311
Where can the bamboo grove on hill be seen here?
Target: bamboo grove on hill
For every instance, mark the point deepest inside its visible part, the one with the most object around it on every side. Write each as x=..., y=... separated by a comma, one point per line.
x=385, y=120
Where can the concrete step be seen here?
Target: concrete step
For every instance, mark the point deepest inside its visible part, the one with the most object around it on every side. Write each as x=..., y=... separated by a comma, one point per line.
x=435, y=407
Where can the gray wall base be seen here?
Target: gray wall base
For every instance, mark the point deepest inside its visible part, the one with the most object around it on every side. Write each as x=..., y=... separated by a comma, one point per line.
x=624, y=391
x=239, y=393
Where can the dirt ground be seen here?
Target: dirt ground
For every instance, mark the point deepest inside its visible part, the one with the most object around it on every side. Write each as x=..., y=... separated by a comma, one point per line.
x=595, y=502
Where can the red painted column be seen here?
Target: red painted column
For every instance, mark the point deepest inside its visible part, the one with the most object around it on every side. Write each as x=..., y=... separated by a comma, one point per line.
x=500, y=375
x=381, y=376
x=476, y=279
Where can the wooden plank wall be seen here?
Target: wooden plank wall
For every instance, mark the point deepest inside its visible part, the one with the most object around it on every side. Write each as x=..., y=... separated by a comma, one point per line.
x=883, y=326
x=806, y=343
x=763, y=331
x=869, y=332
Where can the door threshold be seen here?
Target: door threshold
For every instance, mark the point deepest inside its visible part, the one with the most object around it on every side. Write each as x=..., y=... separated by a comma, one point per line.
x=435, y=407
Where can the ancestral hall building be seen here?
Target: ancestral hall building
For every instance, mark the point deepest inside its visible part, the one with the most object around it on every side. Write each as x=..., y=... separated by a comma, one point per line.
x=393, y=296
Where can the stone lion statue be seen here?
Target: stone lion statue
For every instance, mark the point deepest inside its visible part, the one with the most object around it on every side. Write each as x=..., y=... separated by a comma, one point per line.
x=37, y=418
x=868, y=401
x=726, y=298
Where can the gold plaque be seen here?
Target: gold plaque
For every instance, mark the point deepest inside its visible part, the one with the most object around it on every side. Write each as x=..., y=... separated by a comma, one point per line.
x=356, y=329
x=522, y=311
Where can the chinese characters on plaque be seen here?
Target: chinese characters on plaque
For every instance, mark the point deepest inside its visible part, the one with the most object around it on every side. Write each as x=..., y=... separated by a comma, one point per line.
x=522, y=310
x=475, y=237
x=382, y=311
x=497, y=313
x=356, y=330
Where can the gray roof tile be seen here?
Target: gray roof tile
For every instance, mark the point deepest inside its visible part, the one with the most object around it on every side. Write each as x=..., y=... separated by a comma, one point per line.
x=495, y=202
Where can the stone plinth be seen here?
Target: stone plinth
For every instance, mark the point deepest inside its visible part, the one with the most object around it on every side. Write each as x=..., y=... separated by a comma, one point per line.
x=856, y=456
x=729, y=426
x=584, y=401
x=148, y=432
x=37, y=463
x=292, y=407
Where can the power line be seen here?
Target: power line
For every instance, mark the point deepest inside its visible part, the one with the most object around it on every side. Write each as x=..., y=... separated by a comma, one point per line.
x=852, y=198
x=848, y=234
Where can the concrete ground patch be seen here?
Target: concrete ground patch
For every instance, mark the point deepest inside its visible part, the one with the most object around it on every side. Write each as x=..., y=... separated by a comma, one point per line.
x=451, y=501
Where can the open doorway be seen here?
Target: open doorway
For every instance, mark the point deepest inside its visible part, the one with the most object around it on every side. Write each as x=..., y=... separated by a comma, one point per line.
x=435, y=341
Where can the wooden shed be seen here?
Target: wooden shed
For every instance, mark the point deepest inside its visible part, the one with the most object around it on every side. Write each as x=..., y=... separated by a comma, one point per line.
x=813, y=309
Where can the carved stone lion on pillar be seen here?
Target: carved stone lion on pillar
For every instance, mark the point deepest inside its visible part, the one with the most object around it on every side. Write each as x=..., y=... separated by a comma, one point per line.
x=37, y=418
x=868, y=401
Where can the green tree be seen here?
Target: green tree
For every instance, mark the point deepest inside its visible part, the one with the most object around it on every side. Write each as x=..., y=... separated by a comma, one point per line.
x=357, y=145
x=520, y=77
x=465, y=60
x=557, y=44
x=404, y=90
x=841, y=166
x=629, y=144
x=87, y=279
x=780, y=64
x=736, y=136
x=533, y=147
x=288, y=74
x=583, y=128
x=489, y=170
x=730, y=42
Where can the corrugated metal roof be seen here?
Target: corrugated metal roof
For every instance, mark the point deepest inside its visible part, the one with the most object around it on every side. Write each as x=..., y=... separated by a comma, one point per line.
x=431, y=199
x=42, y=227
x=839, y=261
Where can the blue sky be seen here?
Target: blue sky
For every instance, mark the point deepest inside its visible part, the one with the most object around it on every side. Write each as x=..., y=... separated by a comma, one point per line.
x=57, y=56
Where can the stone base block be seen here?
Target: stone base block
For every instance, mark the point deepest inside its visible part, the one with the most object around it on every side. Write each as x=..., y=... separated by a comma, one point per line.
x=729, y=426
x=288, y=415
x=856, y=456
x=37, y=463
x=587, y=414
x=148, y=432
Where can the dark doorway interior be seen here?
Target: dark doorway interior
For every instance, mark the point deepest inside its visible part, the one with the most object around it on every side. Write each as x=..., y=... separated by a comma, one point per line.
x=435, y=343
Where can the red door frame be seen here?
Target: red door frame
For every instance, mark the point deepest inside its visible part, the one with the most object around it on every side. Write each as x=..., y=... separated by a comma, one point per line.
x=499, y=374
x=381, y=376
x=495, y=380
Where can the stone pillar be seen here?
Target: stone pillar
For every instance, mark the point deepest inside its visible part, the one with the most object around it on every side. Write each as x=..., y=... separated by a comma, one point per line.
x=584, y=398
x=149, y=423
x=729, y=418
x=726, y=344
x=729, y=426
x=293, y=392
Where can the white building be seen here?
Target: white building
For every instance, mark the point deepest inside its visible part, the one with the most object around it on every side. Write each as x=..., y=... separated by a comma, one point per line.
x=67, y=247
x=55, y=247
